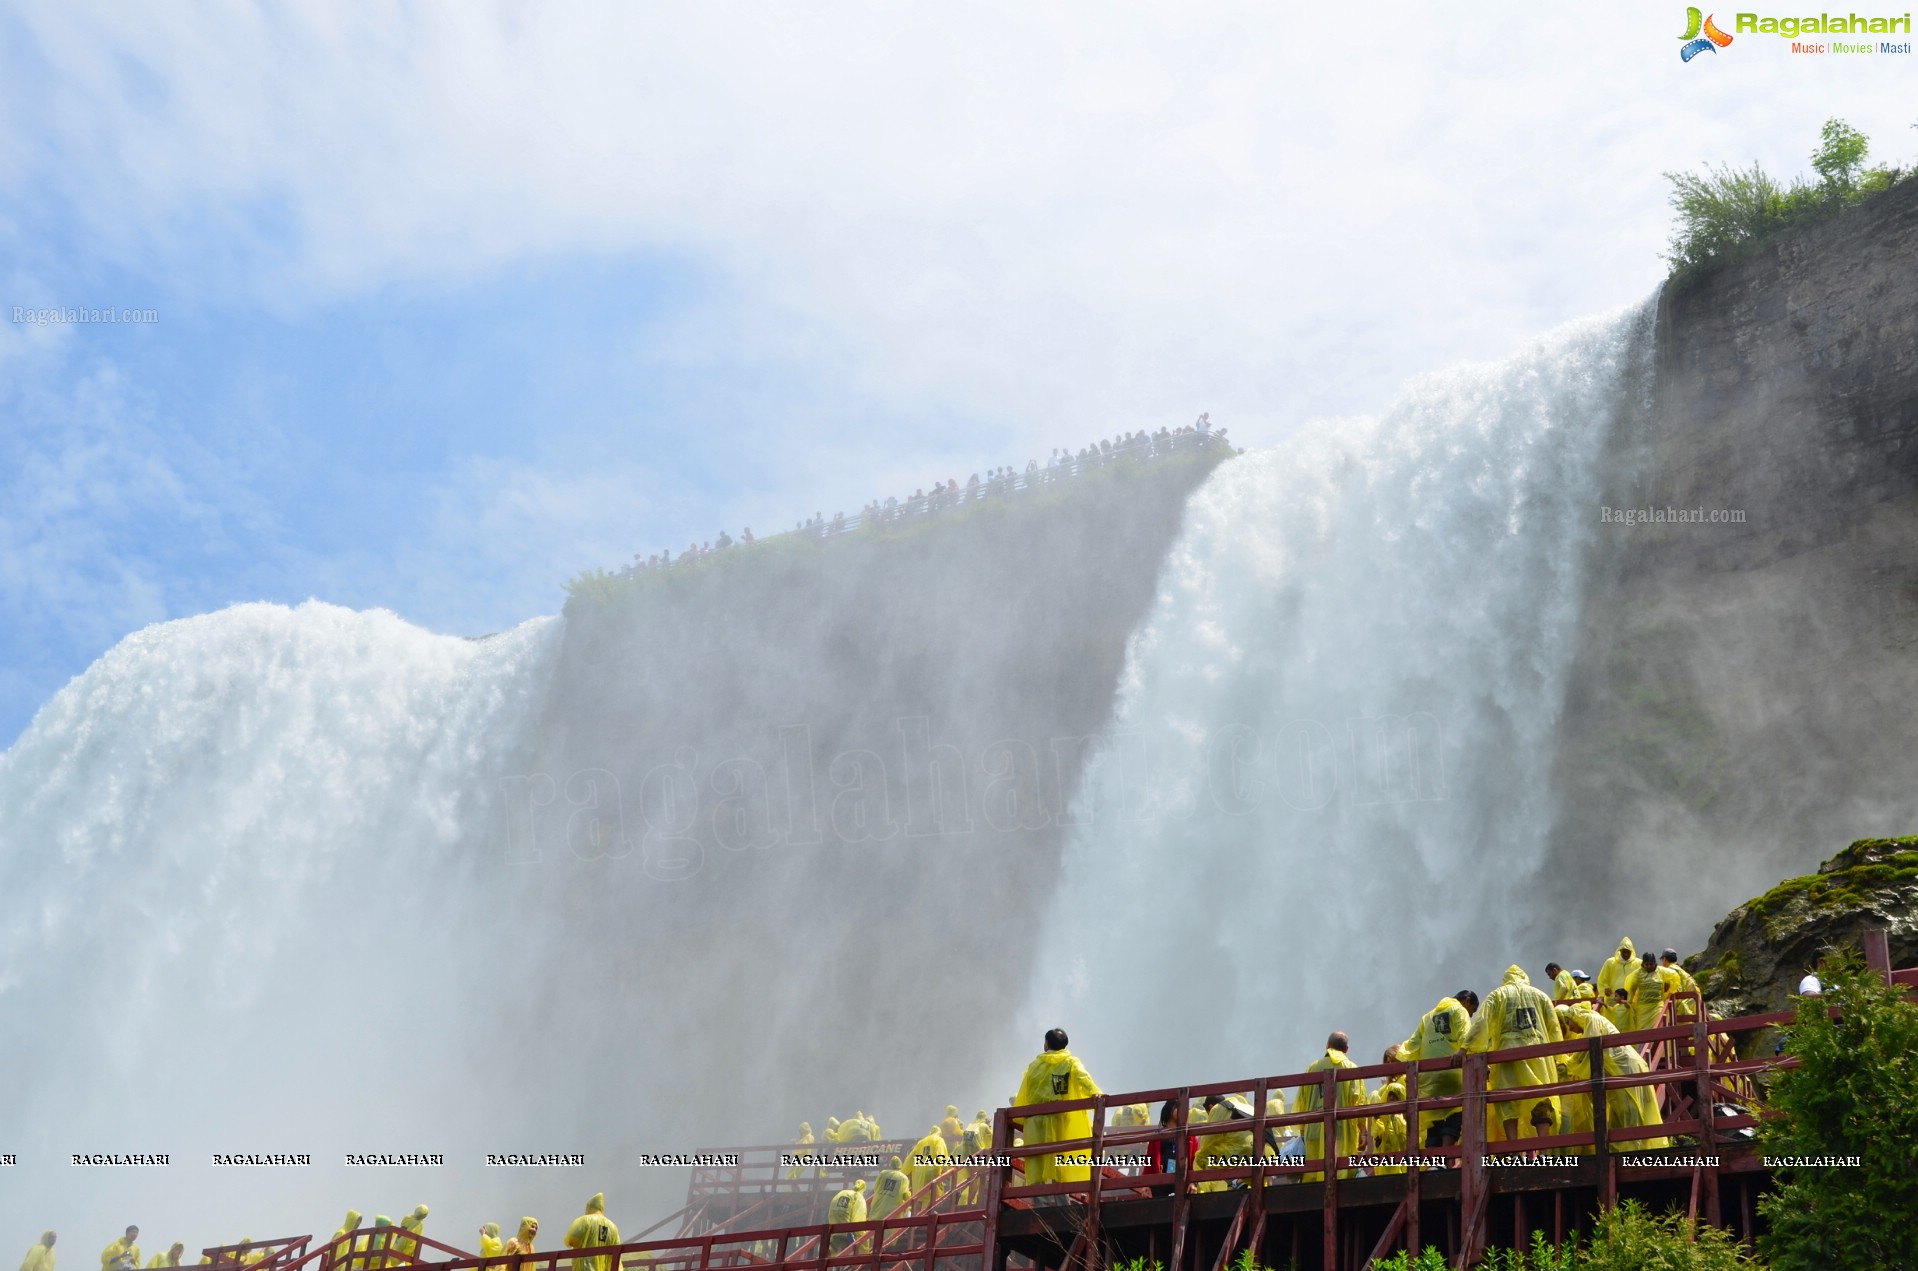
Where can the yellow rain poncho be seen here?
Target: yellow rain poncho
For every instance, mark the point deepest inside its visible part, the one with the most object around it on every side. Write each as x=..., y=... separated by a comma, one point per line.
x=1611, y=974
x=522, y=1241
x=1575, y=1110
x=124, y=1247
x=593, y=1230
x=1129, y=1117
x=805, y=1140
x=1633, y=1108
x=1311, y=1099
x=1512, y=1015
x=1684, y=1009
x=171, y=1258
x=977, y=1139
x=411, y=1225
x=40, y=1257
x=950, y=1128
x=924, y=1162
x=848, y=1206
x=1441, y=1032
x=1053, y=1077
x=491, y=1246
x=1215, y=1151
x=1388, y=1131
x=890, y=1194
x=343, y=1238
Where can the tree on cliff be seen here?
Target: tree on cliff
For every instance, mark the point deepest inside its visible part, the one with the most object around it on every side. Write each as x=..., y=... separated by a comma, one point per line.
x=1853, y=1097
x=1726, y=210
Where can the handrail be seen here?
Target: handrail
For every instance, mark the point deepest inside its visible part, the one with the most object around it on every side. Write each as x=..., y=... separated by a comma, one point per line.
x=1692, y=1076
x=1328, y=1118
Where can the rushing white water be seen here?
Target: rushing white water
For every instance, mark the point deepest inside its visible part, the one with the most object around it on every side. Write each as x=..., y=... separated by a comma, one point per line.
x=225, y=849
x=256, y=897
x=1327, y=790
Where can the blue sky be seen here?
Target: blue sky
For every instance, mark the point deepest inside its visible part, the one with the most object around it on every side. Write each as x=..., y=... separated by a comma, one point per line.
x=455, y=300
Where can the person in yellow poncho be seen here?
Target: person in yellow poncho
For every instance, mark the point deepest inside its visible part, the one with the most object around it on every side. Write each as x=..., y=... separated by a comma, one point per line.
x=951, y=1129
x=405, y=1244
x=171, y=1258
x=1613, y=971
x=925, y=1160
x=343, y=1238
x=977, y=1139
x=848, y=1206
x=1513, y=1015
x=121, y=1251
x=40, y=1257
x=1684, y=1008
x=889, y=1195
x=800, y=1144
x=1388, y=1129
x=1053, y=1077
x=593, y=1230
x=1311, y=1098
x=861, y=1129
x=491, y=1246
x=1220, y=1151
x=1646, y=990
x=1440, y=1033
x=522, y=1242
x=1624, y=1109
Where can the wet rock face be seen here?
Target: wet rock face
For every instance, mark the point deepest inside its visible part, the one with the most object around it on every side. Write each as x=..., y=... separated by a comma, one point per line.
x=1763, y=948
x=1742, y=687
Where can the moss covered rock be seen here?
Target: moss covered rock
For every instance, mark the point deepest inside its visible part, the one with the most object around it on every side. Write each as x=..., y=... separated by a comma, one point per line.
x=1763, y=948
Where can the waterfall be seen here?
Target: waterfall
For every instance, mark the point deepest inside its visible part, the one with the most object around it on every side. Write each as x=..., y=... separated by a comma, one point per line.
x=226, y=849
x=1326, y=794
x=260, y=894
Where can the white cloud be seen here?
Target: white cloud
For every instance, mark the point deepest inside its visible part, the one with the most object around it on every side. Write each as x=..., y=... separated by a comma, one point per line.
x=1096, y=213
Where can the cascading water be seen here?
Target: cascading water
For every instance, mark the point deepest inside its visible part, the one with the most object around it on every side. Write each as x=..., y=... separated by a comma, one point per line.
x=1325, y=797
x=259, y=897
x=213, y=848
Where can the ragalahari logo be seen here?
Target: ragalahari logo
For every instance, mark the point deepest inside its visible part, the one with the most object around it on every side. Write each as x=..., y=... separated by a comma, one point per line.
x=1711, y=41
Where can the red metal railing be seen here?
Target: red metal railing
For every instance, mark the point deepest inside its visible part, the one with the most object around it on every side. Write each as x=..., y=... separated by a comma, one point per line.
x=1693, y=1082
x=1706, y=1096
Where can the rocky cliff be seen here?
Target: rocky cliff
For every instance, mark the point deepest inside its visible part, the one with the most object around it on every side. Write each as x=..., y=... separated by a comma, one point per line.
x=1744, y=684
x=1758, y=954
x=822, y=787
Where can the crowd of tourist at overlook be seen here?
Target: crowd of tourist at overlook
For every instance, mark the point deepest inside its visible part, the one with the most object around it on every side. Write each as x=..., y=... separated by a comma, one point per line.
x=1060, y=465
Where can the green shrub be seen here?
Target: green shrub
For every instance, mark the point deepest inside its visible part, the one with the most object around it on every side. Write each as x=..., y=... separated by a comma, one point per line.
x=1854, y=1094
x=1630, y=1238
x=1726, y=211
x=1627, y=1239
x=1542, y=1256
x=1429, y=1259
